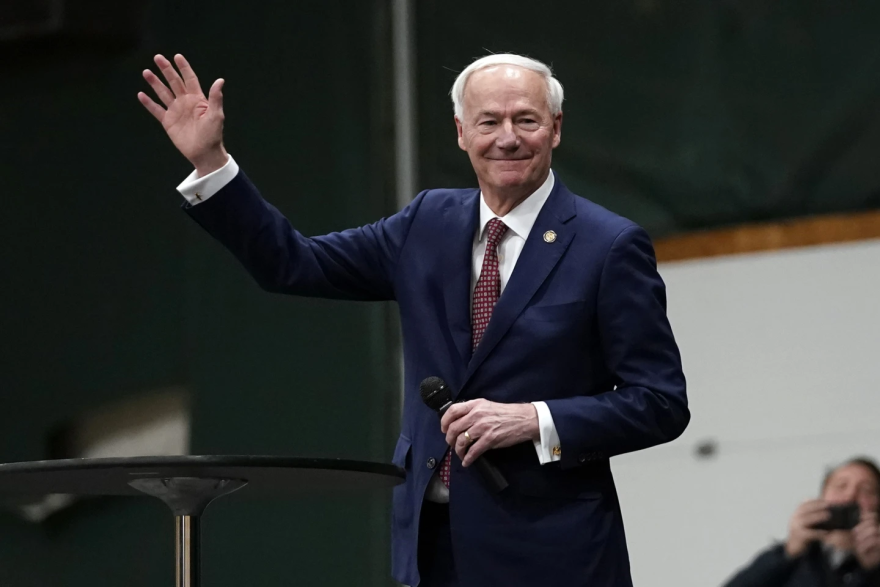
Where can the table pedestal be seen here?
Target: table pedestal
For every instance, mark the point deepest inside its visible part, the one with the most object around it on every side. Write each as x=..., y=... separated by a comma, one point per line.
x=187, y=497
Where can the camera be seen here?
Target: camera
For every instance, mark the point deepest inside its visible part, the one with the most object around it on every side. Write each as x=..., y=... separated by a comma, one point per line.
x=843, y=516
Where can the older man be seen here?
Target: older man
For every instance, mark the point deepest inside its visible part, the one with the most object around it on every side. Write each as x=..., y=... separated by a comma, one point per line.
x=543, y=312
x=816, y=557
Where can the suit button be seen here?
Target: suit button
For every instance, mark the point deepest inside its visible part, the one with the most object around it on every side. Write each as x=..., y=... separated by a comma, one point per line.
x=432, y=462
x=582, y=458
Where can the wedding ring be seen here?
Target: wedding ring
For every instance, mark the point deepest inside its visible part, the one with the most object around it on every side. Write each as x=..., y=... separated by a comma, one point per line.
x=468, y=436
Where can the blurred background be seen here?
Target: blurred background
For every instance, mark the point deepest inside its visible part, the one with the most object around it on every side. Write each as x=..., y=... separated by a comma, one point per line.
x=743, y=134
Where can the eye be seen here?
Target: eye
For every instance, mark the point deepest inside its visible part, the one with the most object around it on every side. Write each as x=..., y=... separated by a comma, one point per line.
x=488, y=123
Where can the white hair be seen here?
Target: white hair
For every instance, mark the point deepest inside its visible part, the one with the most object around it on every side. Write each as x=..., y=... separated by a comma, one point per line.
x=554, y=88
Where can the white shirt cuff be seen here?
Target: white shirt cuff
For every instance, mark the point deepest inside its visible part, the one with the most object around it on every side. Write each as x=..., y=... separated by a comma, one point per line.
x=547, y=447
x=198, y=189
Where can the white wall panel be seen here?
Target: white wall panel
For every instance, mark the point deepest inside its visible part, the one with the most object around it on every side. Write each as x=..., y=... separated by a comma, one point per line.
x=782, y=355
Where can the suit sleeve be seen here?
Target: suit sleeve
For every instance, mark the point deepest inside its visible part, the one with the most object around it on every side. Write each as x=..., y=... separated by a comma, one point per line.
x=648, y=404
x=770, y=569
x=355, y=264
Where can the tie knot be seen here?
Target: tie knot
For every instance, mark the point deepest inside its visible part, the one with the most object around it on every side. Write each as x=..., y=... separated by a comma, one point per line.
x=494, y=231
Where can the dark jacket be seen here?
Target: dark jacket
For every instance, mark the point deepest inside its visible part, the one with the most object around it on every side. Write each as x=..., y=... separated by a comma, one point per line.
x=773, y=568
x=581, y=326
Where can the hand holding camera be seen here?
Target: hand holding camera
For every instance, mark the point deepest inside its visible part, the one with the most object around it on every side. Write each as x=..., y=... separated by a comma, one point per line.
x=814, y=519
x=866, y=539
x=802, y=527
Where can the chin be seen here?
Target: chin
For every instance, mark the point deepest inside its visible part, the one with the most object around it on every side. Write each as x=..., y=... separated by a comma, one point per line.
x=510, y=177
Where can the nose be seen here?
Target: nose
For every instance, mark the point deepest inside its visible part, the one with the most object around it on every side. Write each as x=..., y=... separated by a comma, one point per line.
x=507, y=138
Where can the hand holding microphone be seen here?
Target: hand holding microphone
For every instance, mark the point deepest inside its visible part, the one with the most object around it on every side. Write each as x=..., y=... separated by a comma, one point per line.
x=475, y=426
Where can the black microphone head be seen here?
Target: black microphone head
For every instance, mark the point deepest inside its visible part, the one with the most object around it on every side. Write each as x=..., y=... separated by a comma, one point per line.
x=435, y=393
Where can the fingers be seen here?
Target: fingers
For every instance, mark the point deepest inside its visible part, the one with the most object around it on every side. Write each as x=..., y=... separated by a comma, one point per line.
x=157, y=111
x=866, y=538
x=812, y=505
x=161, y=89
x=475, y=450
x=867, y=532
x=809, y=513
x=171, y=75
x=810, y=519
x=464, y=417
x=189, y=76
x=452, y=414
x=215, y=96
x=460, y=446
x=459, y=427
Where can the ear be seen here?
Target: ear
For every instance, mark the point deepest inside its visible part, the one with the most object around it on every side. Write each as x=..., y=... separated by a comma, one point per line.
x=461, y=144
x=557, y=130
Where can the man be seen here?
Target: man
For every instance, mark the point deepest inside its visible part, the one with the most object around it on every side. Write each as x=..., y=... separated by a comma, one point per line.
x=826, y=558
x=542, y=311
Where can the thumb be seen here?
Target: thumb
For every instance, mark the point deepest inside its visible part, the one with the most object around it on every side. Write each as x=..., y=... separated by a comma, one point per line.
x=215, y=96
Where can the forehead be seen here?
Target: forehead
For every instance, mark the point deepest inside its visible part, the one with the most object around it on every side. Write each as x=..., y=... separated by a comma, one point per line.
x=501, y=85
x=853, y=473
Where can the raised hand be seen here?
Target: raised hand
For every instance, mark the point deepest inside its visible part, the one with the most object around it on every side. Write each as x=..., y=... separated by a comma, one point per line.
x=193, y=122
x=800, y=531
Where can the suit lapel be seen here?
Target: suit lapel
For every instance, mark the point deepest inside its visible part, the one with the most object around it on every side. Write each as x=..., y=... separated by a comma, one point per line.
x=460, y=223
x=537, y=260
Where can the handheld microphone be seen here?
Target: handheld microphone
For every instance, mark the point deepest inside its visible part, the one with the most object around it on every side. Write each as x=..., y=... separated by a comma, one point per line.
x=437, y=396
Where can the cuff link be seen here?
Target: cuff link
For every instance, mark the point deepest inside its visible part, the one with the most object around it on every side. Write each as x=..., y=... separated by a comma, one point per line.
x=557, y=451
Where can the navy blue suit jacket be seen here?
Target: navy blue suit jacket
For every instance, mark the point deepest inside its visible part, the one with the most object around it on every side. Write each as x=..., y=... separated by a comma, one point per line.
x=581, y=326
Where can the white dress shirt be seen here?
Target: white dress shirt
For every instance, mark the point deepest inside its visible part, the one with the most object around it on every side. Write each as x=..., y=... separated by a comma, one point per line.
x=519, y=222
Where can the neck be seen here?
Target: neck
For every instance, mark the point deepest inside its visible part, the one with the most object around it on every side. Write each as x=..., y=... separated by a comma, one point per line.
x=501, y=200
x=840, y=539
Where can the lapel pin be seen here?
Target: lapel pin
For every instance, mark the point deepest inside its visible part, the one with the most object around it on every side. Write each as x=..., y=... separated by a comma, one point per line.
x=549, y=236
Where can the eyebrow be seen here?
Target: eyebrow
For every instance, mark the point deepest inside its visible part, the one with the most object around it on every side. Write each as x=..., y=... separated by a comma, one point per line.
x=495, y=113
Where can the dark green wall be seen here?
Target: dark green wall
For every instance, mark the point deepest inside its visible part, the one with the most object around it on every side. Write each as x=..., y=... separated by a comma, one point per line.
x=681, y=114
x=110, y=290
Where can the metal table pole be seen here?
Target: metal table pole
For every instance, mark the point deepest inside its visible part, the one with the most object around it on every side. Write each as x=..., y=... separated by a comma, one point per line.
x=188, y=550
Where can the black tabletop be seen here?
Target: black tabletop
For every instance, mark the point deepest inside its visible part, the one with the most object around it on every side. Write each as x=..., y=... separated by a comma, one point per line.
x=267, y=476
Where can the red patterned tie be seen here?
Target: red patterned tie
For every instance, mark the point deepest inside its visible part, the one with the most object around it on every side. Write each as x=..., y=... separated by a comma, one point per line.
x=486, y=294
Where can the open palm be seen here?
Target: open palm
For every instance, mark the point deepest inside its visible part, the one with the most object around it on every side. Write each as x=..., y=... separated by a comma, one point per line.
x=193, y=122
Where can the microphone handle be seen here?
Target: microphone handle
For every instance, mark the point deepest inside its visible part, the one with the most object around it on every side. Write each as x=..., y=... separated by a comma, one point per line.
x=491, y=476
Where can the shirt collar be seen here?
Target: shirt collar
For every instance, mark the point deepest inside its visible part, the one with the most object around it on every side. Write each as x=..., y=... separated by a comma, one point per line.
x=521, y=219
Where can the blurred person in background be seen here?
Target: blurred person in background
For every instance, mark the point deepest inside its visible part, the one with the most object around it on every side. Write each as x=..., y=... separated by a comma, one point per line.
x=577, y=364
x=816, y=557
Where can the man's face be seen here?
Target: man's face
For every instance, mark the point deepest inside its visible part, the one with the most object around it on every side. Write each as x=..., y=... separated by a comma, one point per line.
x=507, y=129
x=853, y=483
